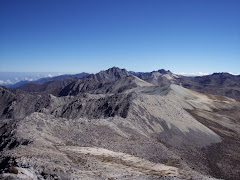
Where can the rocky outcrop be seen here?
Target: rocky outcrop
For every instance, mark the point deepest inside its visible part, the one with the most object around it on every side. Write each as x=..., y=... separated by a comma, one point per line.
x=116, y=125
x=109, y=75
x=159, y=78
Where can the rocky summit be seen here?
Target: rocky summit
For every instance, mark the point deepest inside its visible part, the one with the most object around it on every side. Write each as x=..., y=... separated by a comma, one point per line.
x=117, y=124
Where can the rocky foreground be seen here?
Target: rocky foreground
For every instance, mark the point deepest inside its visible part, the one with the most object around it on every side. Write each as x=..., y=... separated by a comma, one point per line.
x=114, y=125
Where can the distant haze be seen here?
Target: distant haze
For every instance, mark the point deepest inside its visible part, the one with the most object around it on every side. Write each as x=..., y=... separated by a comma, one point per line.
x=7, y=78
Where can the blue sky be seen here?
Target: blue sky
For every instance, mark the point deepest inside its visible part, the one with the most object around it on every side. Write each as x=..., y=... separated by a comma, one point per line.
x=91, y=35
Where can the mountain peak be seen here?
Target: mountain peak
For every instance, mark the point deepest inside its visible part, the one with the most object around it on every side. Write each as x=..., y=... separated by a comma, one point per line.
x=163, y=71
x=115, y=70
x=222, y=73
x=109, y=75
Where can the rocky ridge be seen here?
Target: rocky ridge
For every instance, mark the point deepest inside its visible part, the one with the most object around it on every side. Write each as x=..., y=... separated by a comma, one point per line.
x=116, y=125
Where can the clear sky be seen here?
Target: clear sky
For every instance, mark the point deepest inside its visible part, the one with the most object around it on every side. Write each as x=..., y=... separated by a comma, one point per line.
x=141, y=35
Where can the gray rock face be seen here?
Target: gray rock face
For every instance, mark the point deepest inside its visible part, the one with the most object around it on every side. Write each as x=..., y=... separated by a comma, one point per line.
x=221, y=84
x=159, y=78
x=109, y=75
x=116, y=125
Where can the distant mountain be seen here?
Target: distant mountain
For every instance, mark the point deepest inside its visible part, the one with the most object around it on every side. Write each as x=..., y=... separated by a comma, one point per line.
x=48, y=79
x=10, y=78
x=109, y=75
x=18, y=84
x=51, y=87
x=102, y=82
x=96, y=87
x=223, y=84
x=60, y=78
x=71, y=84
x=159, y=78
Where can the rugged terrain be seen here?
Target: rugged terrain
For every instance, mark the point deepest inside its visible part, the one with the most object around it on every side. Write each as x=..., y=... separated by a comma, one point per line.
x=221, y=84
x=119, y=125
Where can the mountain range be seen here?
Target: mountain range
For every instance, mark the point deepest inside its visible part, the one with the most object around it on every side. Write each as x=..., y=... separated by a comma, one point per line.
x=223, y=84
x=119, y=124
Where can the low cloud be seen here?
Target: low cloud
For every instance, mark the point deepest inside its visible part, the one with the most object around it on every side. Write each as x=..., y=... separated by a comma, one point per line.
x=9, y=82
x=201, y=74
x=236, y=74
x=6, y=82
x=193, y=74
x=28, y=79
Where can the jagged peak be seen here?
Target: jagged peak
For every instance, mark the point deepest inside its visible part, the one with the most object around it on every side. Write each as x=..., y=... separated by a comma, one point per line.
x=111, y=74
x=115, y=69
x=163, y=71
x=222, y=73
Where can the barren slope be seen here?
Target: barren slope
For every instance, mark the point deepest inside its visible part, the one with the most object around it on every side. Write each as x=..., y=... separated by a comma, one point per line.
x=126, y=129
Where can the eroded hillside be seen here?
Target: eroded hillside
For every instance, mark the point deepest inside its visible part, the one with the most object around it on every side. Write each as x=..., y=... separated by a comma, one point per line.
x=114, y=125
